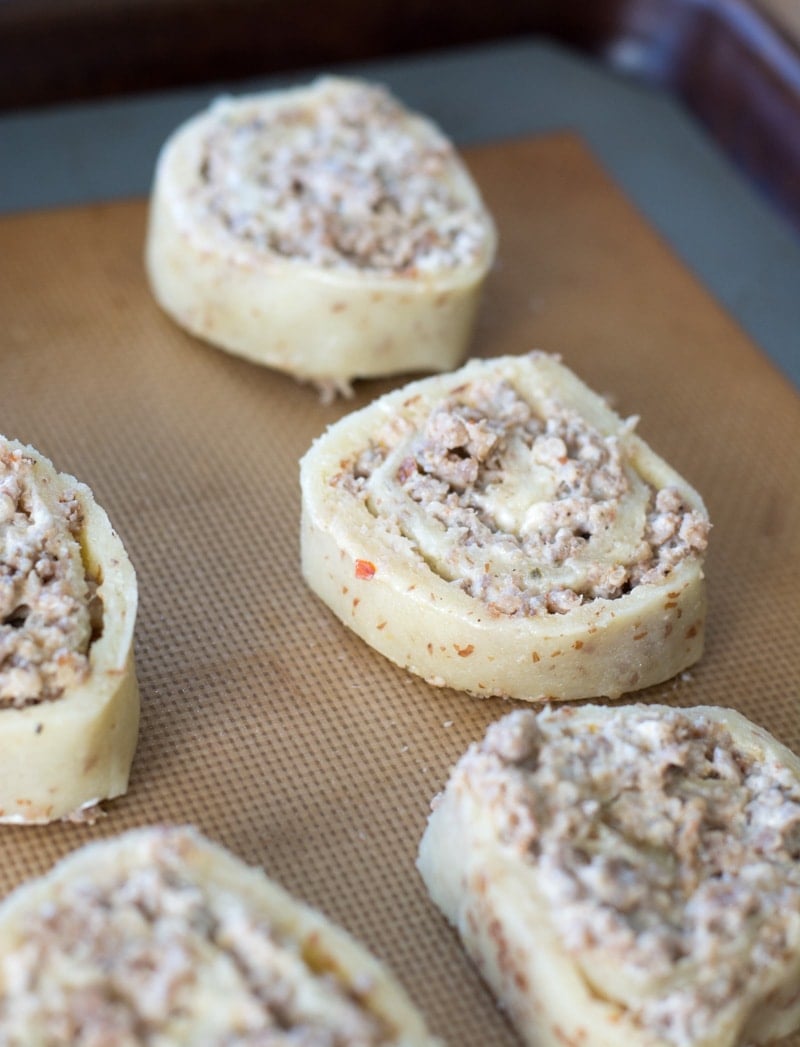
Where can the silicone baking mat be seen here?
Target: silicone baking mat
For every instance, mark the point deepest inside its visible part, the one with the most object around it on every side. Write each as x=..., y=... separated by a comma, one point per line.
x=265, y=722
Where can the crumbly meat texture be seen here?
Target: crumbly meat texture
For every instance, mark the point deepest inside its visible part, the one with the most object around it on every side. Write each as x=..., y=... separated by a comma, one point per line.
x=45, y=597
x=340, y=183
x=660, y=847
x=522, y=508
x=153, y=955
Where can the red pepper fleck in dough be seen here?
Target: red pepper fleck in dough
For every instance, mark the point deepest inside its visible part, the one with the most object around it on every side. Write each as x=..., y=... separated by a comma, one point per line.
x=364, y=569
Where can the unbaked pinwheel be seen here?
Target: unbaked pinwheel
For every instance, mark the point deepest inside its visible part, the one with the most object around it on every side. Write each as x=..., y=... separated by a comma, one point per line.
x=161, y=937
x=626, y=875
x=324, y=230
x=500, y=530
x=69, y=702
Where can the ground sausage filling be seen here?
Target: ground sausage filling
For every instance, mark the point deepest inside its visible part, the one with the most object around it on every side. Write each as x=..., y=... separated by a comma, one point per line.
x=340, y=182
x=151, y=955
x=669, y=859
x=531, y=511
x=45, y=598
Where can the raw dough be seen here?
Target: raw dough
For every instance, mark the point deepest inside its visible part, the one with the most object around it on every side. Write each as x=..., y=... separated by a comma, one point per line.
x=69, y=702
x=161, y=937
x=500, y=530
x=325, y=231
x=626, y=875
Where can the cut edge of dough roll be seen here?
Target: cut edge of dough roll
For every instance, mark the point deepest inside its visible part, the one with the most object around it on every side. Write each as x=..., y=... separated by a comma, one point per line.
x=490, y=896
x=323, y=949
x=59, y=758
x=321, y=324
x=373, y=579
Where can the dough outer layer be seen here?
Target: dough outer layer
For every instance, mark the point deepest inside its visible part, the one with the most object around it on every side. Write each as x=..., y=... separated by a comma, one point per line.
x=60, y=757
x=406, y=574
x=161, y=936
x=219, y=274
x=557, y=940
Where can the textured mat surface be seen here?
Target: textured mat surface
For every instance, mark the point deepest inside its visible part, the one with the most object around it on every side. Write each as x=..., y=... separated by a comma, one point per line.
x=267, y=724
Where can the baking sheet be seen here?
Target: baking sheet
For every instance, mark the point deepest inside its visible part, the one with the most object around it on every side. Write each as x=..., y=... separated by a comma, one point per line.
x=267, y=724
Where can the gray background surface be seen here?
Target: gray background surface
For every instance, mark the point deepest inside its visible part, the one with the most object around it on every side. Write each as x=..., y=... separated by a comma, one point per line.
x=736, y=243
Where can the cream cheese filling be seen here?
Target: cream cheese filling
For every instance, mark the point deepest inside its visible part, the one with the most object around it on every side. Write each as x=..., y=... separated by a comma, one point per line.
x=341, y=179
x=45, y=597
x=150, y=953
x=528, y=507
